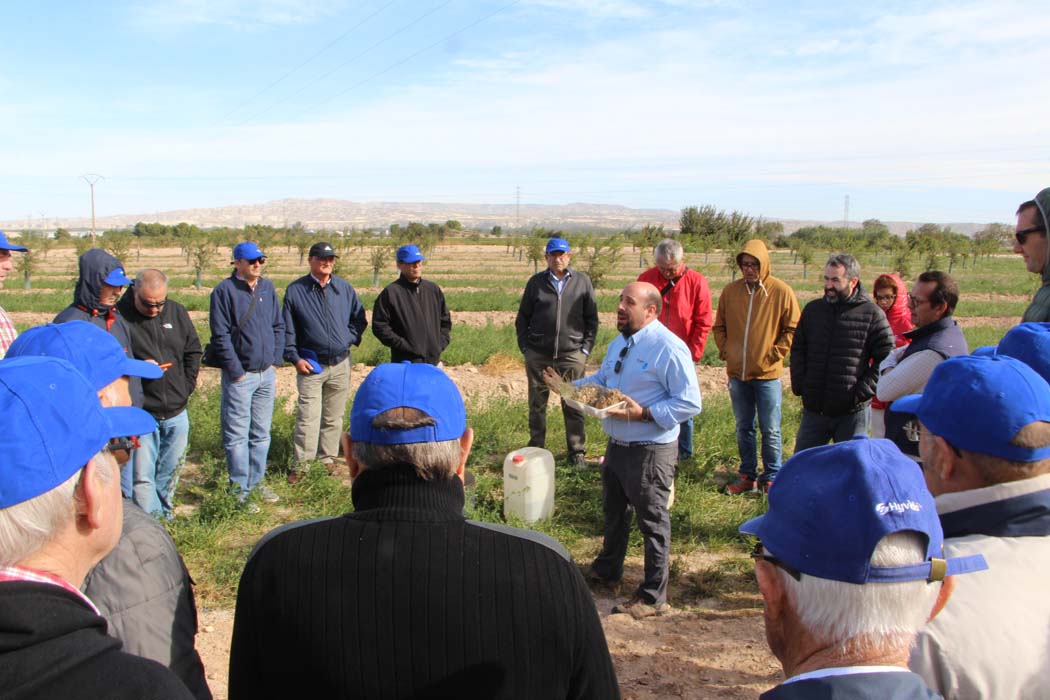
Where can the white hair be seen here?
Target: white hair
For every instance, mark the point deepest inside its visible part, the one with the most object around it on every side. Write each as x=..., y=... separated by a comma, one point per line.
x=27, y=526
x=873, y=616
x=670, y=250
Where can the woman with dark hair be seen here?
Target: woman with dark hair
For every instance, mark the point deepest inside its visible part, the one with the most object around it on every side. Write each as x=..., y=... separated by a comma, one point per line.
x=891, y=296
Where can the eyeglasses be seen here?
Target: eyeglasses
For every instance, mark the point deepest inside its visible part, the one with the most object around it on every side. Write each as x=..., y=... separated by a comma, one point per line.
x=1022, y=235
x=914, y=301
x=257, y=261
x=885, y=297
x=121, y=449
x=153, y=304
x=749, y=265
x=759, y=553
x=619, y=361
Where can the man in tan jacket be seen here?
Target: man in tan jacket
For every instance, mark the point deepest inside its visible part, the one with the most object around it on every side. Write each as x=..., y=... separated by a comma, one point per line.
x=754, y=327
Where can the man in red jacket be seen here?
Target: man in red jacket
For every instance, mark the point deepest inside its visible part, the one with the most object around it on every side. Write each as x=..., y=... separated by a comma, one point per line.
x=686, y=311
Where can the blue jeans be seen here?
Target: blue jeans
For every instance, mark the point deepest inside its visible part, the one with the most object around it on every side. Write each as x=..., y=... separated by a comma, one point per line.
x=127, y=482
x=816, y=430
x=685, y=439
x=246, y=412
x=761, y=398
x=157, y=463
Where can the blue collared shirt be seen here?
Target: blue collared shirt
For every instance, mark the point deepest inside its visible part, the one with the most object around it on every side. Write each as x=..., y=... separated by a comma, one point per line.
x=559, y=284
x=657, y=372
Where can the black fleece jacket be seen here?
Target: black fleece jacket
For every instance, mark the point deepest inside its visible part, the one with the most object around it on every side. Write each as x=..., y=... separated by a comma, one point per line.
x=404, y=598
x=412, y=320
x=836, y=354
x=169, y=338
x=52, y=645
x=555, y=325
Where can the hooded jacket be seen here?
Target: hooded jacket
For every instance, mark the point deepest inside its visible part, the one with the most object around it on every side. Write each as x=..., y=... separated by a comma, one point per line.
x=167, y=338
x=686, y=308
x=837, y=351
x=1039, y=309
x=899, y=318
x=95, y=265
x=755, y=324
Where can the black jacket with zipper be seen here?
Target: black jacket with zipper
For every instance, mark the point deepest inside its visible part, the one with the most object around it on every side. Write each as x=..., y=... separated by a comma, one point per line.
x=836, y=354
x=168, y=337
x=412, y=319
x=553, y=325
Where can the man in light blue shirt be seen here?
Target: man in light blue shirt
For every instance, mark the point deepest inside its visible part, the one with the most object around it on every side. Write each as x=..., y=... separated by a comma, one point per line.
x=652, y=367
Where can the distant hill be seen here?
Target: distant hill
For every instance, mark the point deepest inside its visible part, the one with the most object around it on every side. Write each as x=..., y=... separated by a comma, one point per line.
x=340, y=214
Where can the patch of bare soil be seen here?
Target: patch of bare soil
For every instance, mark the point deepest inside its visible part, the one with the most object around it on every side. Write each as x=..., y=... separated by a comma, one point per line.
x=1004, y=322
x=703, y=650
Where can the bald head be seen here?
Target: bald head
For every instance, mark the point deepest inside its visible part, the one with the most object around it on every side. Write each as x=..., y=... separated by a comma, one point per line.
x=639, y=306
x=151, y=292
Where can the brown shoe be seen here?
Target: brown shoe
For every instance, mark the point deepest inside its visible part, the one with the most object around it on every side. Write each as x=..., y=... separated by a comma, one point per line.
x=294, y=477
x=637, y=608
x=594, y=580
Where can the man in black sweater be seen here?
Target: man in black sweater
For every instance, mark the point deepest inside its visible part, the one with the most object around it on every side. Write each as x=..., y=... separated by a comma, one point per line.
x=410, y=315
x=404, y=597
x=60, y=513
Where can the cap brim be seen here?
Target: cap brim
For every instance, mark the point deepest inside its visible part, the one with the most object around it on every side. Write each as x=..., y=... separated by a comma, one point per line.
x=126, y=421
x=752, y=526
x=116, y=279
x=986, y=351
x=19, y=248
x=906, y=404
x=413, y=260
x=315, y=366
x=139, y=368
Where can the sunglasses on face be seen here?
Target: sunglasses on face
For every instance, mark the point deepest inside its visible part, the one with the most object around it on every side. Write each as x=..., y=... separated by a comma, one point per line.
x=759, y=553
x=749, y=266
x=121, y=449
x=153, y=304
x=1022, y=235
x=257, y=261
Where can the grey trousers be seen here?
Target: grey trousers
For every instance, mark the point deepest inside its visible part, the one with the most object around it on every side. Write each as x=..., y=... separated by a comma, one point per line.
x=816, y=430
x=319, y=414
x=570, y=367
x=637, y=478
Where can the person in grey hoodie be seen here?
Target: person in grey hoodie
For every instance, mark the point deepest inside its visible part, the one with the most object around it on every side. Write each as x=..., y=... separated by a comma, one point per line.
x=1031, y=244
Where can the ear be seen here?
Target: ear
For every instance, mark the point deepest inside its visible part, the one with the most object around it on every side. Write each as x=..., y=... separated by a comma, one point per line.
x=90, y=495
x=348, y=452
x=947, y=588
x=466, y=441
x=771, y=588
x=947, y=461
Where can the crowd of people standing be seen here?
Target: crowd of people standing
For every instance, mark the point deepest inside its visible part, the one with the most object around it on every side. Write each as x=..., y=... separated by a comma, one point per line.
x=903, y=567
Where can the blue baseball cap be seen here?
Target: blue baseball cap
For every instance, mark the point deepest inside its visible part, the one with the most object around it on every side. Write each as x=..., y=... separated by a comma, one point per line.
x=979, y=404
x=831, y=506
x=558, y=244
x=409, y=254
x=247, y=250
x=51, y=424
x=985, y=351
x=406, y=385
x=117, y=278
x=311, y=357
x=8, y=245
x=94, y=353
x=1029, y=343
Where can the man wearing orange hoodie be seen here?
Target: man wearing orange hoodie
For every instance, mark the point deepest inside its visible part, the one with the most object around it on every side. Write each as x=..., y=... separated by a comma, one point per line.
x=754, y=328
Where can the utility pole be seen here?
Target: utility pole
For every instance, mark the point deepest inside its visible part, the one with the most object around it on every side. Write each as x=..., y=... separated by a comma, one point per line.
x=91, y=179
x=517, y=207
x=845, y=213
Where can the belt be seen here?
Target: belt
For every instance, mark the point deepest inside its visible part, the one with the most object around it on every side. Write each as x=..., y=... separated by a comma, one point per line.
x=640, y=443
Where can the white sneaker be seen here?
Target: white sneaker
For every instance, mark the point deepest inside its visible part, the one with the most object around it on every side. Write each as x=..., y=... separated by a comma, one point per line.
x=268, y=495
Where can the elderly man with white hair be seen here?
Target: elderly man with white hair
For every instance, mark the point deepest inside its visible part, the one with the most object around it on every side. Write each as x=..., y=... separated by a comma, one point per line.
x=850, y=565
x=60, y=513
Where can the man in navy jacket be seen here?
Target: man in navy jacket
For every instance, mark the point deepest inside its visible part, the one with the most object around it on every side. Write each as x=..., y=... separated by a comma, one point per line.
x=322, y=318
x=247, y=334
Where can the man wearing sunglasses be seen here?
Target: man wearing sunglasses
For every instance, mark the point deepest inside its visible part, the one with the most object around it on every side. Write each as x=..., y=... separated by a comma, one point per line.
x=247, y=334
x=163, y=334
x=653, y=368
x=1030, y=243
x=850, y=563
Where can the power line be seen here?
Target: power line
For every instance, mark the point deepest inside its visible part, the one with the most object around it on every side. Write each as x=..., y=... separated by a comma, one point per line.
x=347, y=62
x=324, y=48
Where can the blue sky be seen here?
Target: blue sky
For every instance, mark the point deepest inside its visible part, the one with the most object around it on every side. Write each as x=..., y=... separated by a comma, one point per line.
x=917, y=111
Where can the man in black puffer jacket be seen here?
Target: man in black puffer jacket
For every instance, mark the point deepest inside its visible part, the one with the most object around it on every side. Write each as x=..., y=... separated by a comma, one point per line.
x=839, y=343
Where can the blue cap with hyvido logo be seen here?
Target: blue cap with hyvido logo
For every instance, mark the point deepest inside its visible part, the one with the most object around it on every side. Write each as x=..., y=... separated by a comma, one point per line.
x=51, y=424
x=409, y=254
x=555, y=245
x=979, y=404
x=830, y=507
x=406, y=385
x=248, y=250
x=92, y=351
